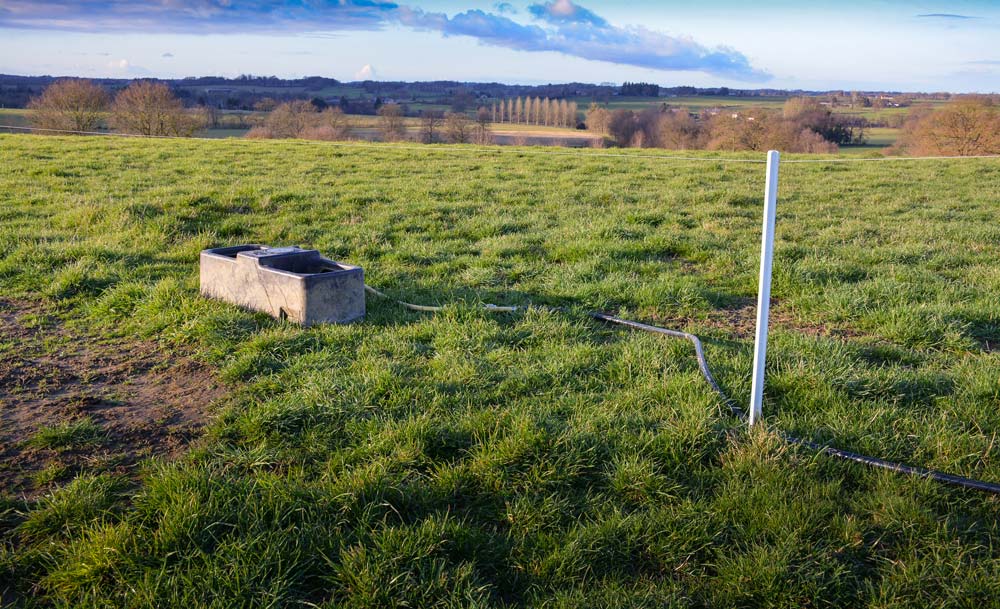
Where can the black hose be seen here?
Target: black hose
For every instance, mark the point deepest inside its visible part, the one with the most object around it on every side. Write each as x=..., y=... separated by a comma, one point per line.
x=920, y=472
x=739, y=413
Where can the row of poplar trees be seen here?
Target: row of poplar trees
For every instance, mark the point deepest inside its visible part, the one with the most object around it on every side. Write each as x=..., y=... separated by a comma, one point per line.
x=536, y=111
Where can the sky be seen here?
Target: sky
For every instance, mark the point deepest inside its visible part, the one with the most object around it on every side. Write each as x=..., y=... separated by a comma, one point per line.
x=913, y=45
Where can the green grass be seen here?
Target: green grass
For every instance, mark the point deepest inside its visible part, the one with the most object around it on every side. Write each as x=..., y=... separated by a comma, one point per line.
x=523, y=460
x=68, y=435
x=222, y=133
x=882, y=137
x=877, y=139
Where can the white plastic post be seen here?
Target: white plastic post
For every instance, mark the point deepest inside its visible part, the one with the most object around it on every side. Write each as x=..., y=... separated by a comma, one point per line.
x=764, y=291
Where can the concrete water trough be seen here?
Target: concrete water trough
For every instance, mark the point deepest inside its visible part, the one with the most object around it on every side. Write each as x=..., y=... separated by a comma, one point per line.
x=285, y=282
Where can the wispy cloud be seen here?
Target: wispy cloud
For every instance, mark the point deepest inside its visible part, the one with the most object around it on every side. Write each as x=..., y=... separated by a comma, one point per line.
x=167, y=55
x=564, y=12
x=559, y=26
x=950, y=16
x=572, y=30
x=194, y=16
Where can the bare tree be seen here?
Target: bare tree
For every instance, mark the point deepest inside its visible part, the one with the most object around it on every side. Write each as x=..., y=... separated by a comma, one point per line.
x=69, y=105
x=210, y=116
x=623, y=126
x=598, y=119
x=456, y=127
x=290, y=119
x=391, y=122
x=151, y=108
x=430, y=124
x=336, y=119
x=265, y=105
x=970, y=126
x=299, y=119
x=482, y=134
x=678, y=131
x=331, y=124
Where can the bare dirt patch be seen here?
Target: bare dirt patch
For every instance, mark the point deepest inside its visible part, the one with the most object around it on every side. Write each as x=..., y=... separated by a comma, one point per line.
x=740, y=321
x=143, y=399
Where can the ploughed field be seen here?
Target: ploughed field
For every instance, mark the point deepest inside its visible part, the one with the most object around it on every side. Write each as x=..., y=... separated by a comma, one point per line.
x=468, y=458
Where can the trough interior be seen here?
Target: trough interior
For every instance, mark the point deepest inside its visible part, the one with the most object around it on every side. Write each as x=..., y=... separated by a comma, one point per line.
x=231, y=252
x=302, y=265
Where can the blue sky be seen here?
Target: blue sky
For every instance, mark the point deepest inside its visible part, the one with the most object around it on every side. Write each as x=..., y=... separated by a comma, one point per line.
x=845, y=44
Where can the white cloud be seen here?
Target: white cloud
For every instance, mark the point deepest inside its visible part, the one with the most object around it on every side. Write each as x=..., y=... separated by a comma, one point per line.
x=123, y=67
x=367, y=72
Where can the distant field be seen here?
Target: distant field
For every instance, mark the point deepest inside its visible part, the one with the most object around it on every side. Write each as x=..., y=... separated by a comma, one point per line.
x=367, y=127
x=697, y=103
x=725, y=102
x=875, y=114
x=467, y=458
x=693, y=102
x=882, y=136
x=14, y=116
x=878, y=140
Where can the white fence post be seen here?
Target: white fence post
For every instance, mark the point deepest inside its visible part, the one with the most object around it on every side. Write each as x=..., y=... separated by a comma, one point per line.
x=764, y=291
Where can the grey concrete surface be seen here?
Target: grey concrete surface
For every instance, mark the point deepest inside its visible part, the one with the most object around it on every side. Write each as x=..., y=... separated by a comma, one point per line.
x=284, y=282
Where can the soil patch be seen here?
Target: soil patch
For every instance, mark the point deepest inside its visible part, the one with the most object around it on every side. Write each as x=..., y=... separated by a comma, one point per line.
x=740, y=321
x=136, y=399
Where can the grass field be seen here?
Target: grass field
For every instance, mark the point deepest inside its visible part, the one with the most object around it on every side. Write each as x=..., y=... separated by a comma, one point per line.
x=17, y=117
x=537, y=459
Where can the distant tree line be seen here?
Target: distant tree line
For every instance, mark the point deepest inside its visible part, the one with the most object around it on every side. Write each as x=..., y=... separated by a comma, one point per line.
x=243, y=92
x=536, y=111
x=969, y=125
x=639, y=89
x=304, y=120
x=804, y=125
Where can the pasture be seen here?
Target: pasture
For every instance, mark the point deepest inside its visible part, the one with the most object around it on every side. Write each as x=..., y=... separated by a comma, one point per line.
x=235, y=124
x=467, y=458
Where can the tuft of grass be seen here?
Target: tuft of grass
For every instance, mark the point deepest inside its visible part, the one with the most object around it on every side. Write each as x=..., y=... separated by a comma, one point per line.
x=53, y=472
x=72, y=508
x=69, y=435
